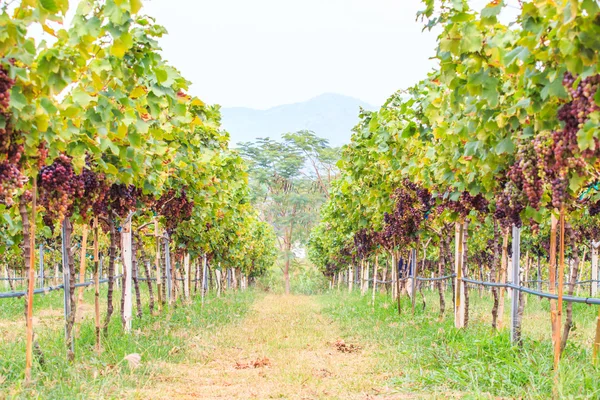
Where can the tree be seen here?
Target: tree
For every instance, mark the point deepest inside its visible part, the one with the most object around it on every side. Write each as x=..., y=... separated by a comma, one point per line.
x=289, y=182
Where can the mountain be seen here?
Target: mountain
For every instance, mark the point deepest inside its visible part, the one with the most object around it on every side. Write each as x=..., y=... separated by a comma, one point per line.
x=330, y=115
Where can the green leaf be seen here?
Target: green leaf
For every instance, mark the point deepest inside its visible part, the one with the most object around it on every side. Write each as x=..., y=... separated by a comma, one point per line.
x=554, y=89
x=121, y=45
x=505, y=146
x=591, y=6
x=492, y=10
x=81, y=98
x=49, y=5
x=472, y=39
x=585, y=136
x=576, y=182
x=48, y=106
x=518, y=53
x=17, y=98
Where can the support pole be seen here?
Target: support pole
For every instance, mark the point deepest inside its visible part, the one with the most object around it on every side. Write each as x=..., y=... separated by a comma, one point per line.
x=594, y=277
x=413, y=274
x=515, y=328
x=67, y=285
x=127, y=256
x=157, y=265
x=186, y=278
x=375, y=278
x=41, y=275
x=459, y=310
x=30, y=288
x=168, y=271
x=204, y=265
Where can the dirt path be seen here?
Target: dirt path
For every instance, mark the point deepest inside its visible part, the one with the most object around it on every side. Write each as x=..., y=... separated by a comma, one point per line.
x=285, y=348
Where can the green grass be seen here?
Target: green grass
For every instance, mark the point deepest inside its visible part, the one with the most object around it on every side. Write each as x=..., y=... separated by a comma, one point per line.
x=424, y=354
x=158, y=339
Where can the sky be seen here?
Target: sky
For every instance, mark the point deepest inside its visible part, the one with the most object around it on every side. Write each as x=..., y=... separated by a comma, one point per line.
x=264, y=53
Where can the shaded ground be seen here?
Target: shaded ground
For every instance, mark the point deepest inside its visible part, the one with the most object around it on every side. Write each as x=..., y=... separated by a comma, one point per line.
x=285, y=348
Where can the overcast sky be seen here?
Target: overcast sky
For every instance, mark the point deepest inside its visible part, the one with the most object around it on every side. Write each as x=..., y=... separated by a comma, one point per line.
x=263, y=53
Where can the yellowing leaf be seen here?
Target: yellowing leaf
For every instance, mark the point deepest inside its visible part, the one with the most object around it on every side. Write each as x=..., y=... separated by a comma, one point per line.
x=121, y=45
x=137, y=92
x=136, y=5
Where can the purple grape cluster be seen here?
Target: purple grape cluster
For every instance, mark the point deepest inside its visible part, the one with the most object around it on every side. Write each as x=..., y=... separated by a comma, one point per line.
x=59, y=188
x=120, y=199
x=6, y=84
x=11, y=179
x=175, y=207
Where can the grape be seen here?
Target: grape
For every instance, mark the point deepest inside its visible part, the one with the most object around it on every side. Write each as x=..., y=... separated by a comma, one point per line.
x=120, y=199
x=59, y=188
x=5, y=86
x=11, y=179
x=175, y=208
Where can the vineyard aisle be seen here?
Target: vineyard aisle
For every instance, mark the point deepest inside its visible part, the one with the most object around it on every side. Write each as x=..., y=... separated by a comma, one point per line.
x=285, y=348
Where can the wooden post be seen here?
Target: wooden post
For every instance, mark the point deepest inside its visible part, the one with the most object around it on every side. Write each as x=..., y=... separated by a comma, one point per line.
x=157, y=265
x=204, y=264
x=127, y=258
x=67, y=286
x=553, y=306
x=366, y=276
x=168, y=271
x=459, y=310
x=218, y=280
x=594, y=277
x=375, y=278
x=186, y=278
x=514, y=310
x=31, y=287
x=7, y=276
x=41, y=272
x=561, y=280
x=82, y=265
x=413, y=273
x=350, y=278
x=503, y=269
x=394, y=275
x=97, y=273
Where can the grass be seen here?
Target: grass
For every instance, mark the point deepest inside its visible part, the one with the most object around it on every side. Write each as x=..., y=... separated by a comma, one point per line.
x=426, y=354
x=158, y=339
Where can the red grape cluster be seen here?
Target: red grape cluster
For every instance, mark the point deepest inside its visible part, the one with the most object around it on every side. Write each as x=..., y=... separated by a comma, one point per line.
x=120, y=199
x=466, y=203
x=59, y=188
x=11, y=179
x=175, y=208
x=364, y=242
x=402, y=225
x=565, y=158
x=95, y=188
x=5, y=86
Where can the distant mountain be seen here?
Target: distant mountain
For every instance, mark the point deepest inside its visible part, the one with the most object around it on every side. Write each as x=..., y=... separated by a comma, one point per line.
x=330, y=116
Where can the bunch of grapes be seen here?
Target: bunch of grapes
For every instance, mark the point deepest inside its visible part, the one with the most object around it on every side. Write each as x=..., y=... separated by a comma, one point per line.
x=411, y=206
x=6, y=84
x=59, y=188
x=564, y=157
x=95, y=189
x=11, y=179
x=509, y=204
x=120, y=199
x=364, y=243
x=175, y=208
x=466, y=203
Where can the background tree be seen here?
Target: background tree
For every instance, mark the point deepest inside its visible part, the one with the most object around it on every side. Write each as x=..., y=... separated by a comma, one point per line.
x=289, y=182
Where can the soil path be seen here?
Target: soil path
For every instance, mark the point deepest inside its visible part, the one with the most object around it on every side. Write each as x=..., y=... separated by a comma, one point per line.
x=285, y=348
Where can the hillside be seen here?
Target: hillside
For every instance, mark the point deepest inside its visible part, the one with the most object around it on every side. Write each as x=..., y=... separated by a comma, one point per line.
x=330, y=115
